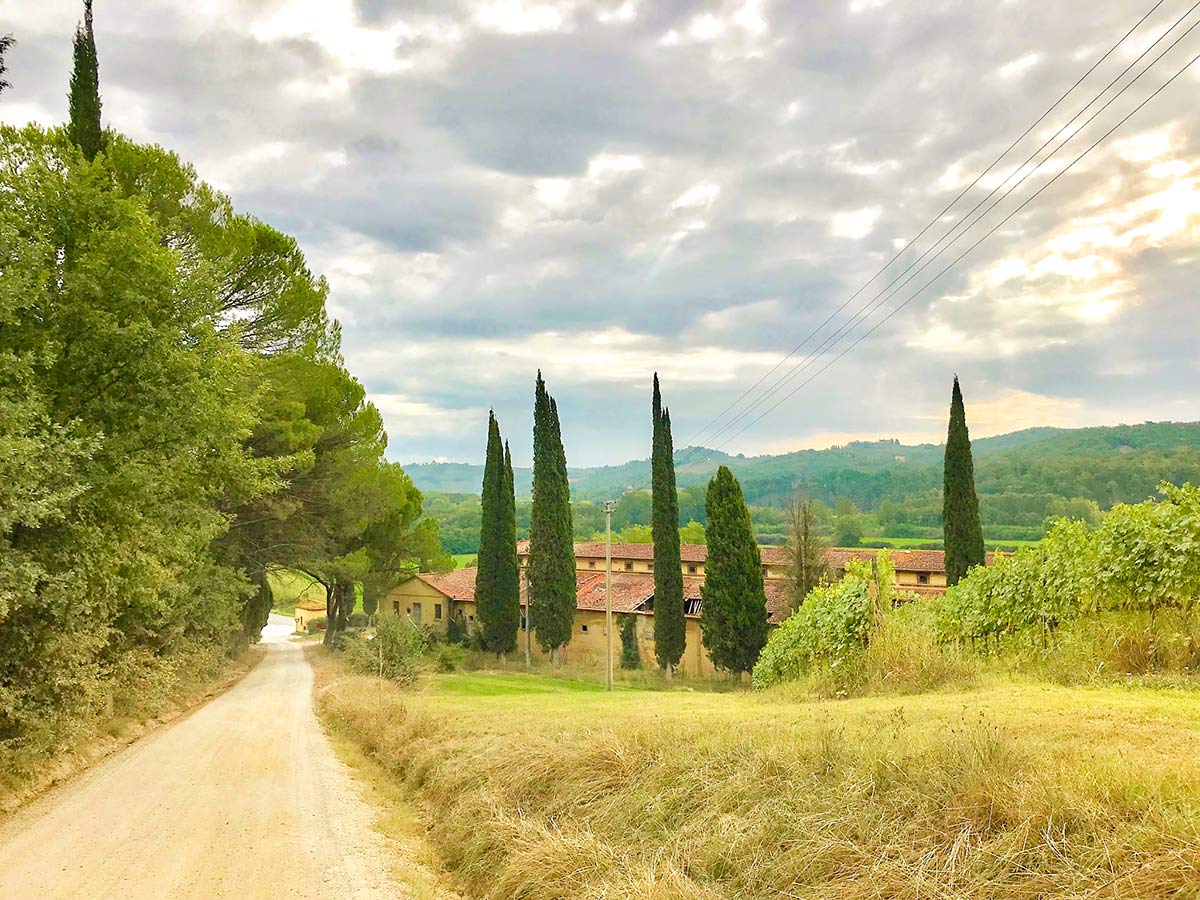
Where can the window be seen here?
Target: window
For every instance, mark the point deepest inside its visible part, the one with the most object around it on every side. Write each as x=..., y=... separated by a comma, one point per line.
x=523, y=623
x=437, y=611
x=765, y=571
x=628, y=567
x=649, y=567
x=396, y=607
x=923, y=578
x=582, y=628
x=691, y=570
x=591, y=564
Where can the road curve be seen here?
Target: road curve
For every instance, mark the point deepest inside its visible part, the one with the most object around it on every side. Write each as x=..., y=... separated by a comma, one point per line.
x=243, y=798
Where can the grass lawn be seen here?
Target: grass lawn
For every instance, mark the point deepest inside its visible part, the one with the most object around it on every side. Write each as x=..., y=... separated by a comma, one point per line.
x=462, y=560
x=289, y=587
x=539, y=787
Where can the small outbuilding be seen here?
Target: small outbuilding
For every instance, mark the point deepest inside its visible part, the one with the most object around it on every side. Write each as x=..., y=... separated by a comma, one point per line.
x=306, y=611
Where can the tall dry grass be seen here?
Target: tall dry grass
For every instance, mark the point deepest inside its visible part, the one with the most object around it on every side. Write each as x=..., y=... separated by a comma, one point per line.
x=1025, y=792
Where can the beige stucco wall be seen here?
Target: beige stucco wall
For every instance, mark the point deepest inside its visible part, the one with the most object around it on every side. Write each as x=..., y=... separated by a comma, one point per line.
x=936, y=579
x=407, y=596
x=304, y=616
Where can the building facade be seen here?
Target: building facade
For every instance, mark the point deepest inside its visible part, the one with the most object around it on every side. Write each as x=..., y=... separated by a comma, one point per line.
x=431, y=599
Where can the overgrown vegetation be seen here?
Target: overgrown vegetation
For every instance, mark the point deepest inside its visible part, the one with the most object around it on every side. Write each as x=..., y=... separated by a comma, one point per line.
x=536, y=788
x=175, y=423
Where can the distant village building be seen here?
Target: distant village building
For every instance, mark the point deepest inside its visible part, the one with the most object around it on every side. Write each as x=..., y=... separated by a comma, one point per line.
x=432, y=599
x=306, y=611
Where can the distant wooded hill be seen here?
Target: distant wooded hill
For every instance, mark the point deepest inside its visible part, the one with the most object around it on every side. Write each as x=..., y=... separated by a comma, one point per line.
x=1107, y=465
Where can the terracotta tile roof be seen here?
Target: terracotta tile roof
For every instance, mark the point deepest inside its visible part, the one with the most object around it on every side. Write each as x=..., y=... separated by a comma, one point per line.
x=903, y=560
x=456, y=585
x=688, y=553
x=311, y=604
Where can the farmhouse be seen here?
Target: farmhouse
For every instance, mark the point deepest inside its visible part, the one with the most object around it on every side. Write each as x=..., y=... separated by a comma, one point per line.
x=431, y=599
x=306, y=611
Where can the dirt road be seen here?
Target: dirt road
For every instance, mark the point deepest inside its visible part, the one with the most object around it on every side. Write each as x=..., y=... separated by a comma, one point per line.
x=243, y=798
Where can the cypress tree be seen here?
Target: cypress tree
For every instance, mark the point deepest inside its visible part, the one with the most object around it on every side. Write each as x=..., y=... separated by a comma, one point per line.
x=84, y=100
x=551, y=570
x=492, y=597
x=961, y=530
x=631, y=656
x=6, y=41
x=733, y=612
x=508, y=575
x=670, y=629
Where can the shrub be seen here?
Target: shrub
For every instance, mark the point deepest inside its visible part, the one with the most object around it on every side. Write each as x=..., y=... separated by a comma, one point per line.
x=359, y=620
x=315, y=625
x=832, y=624
x=448, y=657
x=631, y=656
x=393, y=651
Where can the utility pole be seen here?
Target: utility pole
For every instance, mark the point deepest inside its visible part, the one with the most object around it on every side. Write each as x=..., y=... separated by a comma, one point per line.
x=608, y=628
x=528, y=626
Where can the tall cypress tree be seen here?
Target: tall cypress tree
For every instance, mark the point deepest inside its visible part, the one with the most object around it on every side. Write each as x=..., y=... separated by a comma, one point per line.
x=508, y=574
x=551, y=570
x=6, y=42
x=486, y=593
x=84, y=99
x=960, y=505
x=492, y=600
x=733, y=613
x=670, y=629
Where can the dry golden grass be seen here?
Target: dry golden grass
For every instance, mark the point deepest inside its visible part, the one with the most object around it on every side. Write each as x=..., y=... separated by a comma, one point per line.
x=535, y=788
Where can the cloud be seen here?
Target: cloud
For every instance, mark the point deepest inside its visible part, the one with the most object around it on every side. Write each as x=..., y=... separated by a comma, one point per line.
x=608, y=188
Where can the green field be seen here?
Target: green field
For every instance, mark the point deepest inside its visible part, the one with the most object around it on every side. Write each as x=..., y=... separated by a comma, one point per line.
x=289, y=587
x=998, y=786
x=461, y=560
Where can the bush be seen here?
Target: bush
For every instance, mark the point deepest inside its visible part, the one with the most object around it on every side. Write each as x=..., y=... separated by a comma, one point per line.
x=631, y=656
x=359, y=620
x=831, y=625
x=448, y=657
x=393, y=651
x=315, y=625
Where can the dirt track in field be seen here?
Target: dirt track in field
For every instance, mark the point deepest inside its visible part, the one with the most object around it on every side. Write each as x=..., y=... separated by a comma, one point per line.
x=243, y=798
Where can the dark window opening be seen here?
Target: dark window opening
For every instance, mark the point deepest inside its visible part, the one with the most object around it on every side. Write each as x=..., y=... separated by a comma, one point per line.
x=437, y=611
x=628, y=567
x=582, y=628
x=923, y=578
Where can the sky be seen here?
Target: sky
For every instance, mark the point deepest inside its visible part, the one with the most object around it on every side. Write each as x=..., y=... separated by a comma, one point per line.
x=608, y=189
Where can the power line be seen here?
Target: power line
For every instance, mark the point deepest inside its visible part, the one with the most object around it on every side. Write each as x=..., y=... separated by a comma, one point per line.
x=966, y=224
x=909, y=244
x=994, y=228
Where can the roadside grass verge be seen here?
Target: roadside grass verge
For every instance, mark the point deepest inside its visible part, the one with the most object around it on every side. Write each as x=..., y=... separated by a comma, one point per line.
x=144, y=694
x=1013, y=789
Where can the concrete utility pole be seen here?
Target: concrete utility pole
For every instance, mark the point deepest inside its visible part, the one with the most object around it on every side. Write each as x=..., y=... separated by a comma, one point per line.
x=528, y=627
x=608, y=649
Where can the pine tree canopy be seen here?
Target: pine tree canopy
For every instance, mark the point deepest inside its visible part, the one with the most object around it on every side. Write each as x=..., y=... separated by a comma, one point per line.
x=960, y=505
x=670, y=628
x=733, y=612
x=84, y=100
x=551, y=571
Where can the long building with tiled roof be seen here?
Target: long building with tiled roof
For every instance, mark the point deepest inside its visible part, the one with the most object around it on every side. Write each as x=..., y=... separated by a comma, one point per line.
x=431, y=599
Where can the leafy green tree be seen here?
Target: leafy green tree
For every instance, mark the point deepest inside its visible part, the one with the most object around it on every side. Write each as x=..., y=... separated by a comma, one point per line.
x=733, y=617
x=551, y=569
x=962, y=532
x=84, y=101
x=806, y=547
x=6, y=43
x=848, y=530
x=692, y=533
x=670, y=628
x=631, y=655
